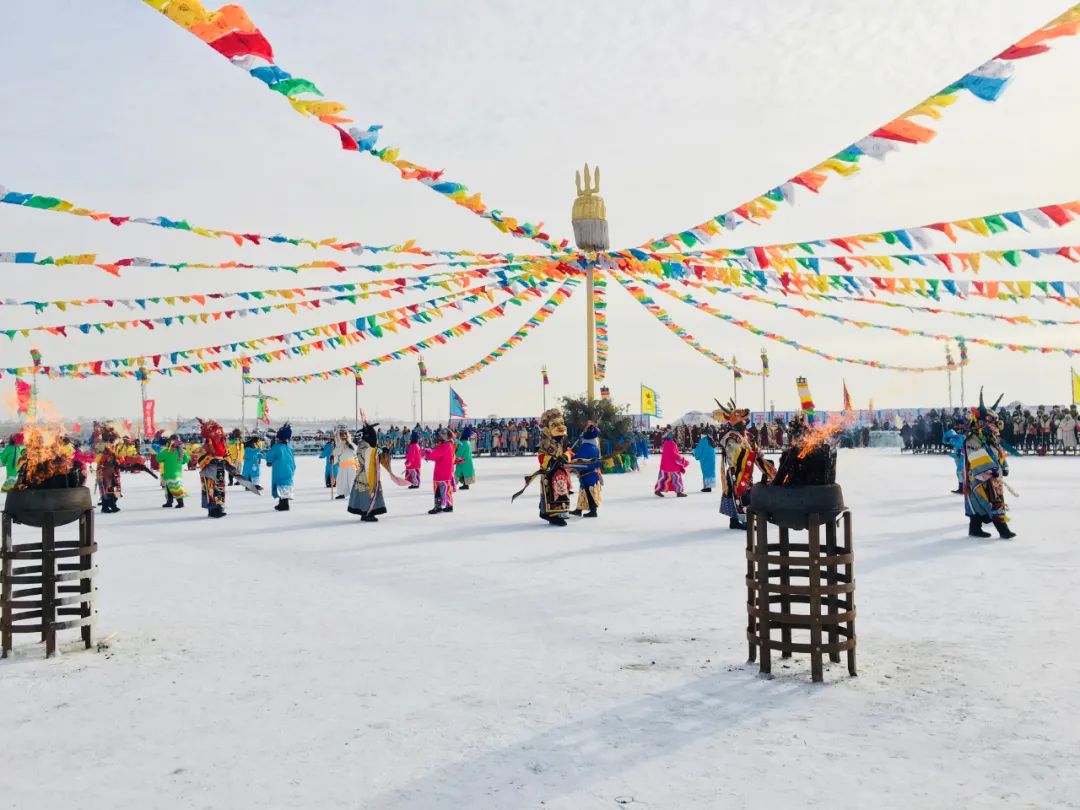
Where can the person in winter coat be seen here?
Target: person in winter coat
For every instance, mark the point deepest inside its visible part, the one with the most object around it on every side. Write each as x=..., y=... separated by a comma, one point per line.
x=253, y=458
x=345, y=453
x=672, y=467
x=108, y=479
x=173, y=458
x=954, y=440
x=465, y=470
x=705, y=454
x=235, y=454
x=282, y=466
x=330, y=470
x=442, y=454
x=413, y=457
x=590, y=479
x=9, y=457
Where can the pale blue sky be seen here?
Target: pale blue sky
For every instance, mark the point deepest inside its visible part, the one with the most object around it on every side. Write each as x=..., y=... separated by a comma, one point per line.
x=689, y=108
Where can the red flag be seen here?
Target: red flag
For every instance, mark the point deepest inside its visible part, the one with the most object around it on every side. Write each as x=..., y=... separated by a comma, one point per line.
x=148, y=418
x=847, y=399
x=22, y=396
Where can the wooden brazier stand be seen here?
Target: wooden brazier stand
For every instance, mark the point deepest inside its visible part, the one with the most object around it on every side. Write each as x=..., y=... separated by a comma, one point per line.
x=58, y=573
x=783, y=576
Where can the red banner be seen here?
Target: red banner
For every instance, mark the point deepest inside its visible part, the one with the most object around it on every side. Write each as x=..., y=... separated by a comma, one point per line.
x=148, y=418
x=22, y=396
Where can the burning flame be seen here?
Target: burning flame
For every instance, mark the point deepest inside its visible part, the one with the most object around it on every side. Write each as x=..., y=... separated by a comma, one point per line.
x=47, y=454
x=821, y=434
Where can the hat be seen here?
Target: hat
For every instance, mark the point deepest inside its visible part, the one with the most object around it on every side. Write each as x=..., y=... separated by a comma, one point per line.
x=467, y=433
x=591, y=434
x=414, y=437
x=443, y=434
x=729, y=413
x=369, y=436
x=284, y=432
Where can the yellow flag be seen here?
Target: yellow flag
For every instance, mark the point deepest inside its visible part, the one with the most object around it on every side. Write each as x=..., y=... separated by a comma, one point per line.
x=1076, y=387
x=648, y=401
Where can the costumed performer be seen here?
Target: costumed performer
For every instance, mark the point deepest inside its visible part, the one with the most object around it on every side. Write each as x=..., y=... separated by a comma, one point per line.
x=345, y=453
x=282, y=464
x=172, y=458
x=587, y=464
x=465, y=469
x=672, y=467
x=235, y=454
x=413, y=457
x=740, y=456
x=443, y=455
x=954, y=439
x=108, y=479
x=705, y=454
x=212, y=464
x=366, y=498
x=985, y=468
x=553, y=473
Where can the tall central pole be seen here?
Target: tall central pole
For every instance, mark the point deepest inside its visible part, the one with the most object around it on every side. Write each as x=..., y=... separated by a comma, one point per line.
x=589, y=217
x=590, y=334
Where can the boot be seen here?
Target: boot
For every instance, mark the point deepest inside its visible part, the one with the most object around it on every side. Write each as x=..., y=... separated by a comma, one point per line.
x=369, y=519
x=735, y=523
x=575, y=512
x=437, y=508
x=216, y=512
x=464, y=486
x=975, y=528
x=168, y=501
x=179, y=503
x=282, y=505
x=447, y=510
x=555, y=520
x=590, y=513
x=680, y=495
x=707, y=489
x=1003, y=530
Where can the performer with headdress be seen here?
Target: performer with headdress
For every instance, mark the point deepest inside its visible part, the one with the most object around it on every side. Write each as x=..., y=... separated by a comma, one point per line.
x=366, y=498
x=588, y=465
x=672, y=467
x=345, y=453
x=212, y=464
x=443, y=454
x=464, y=469
x=172, y=458
x=108, y=478
x=985, y=468
x=282, y=464
x=413, y=457
x=740, y=455
x=554, y=475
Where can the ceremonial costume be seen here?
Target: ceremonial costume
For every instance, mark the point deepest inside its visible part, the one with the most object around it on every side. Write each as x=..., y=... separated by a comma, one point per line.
x=443, y=476
x=235, y=454
x=172, y=459
x=587, y=464
x=10, y=457
x=953, y=438
x=740, y=456
x=985, y=468
x=330, y=470
x=253, y=458
x=108, y=479
x=705, y=454
x=413, y=457
x=282, y=466
x=672, y=467
x=464, y=468
x=1067, y=432
x=212, y=464
x=555, y=484
x=345, y=453
x=366, y=498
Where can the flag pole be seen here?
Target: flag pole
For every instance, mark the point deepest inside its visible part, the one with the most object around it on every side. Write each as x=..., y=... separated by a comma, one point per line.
x=243, y=399
x=356, y=404
x=735, y=381
x=543, y=388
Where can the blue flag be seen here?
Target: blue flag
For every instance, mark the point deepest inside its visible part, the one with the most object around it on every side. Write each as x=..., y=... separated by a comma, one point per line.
x=457, y=405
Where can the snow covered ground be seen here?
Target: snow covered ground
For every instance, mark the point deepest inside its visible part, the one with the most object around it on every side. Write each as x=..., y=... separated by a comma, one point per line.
x=485, y=660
